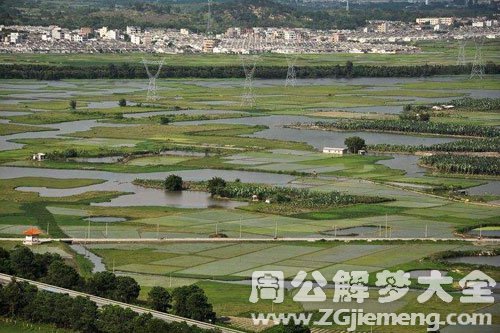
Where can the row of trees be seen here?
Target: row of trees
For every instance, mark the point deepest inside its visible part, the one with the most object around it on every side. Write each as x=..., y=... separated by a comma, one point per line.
x=189, y=302
x=24, y=301
x=127, y=71
x=50, y=268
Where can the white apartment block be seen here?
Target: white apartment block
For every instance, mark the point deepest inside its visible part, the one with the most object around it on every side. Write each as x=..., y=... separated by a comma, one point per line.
x=435, y=20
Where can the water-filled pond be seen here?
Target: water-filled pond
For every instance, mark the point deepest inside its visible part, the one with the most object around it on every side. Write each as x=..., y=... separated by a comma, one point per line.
x=94, y=259
x=485, y=233
x=59, y=129
x=104, y=159
x=477, y=260
x=407, y=163
x=316, y=138
x=140, y=196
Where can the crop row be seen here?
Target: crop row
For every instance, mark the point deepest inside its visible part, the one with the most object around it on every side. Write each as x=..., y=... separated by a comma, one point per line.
x=410, y=127
x=463, y=164
x=465, y=145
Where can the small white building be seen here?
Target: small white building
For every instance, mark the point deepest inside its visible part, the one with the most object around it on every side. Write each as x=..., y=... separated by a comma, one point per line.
x=31, y=236
x=335, y=151
x=39, y=156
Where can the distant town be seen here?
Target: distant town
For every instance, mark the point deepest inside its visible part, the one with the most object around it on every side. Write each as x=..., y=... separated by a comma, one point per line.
x=385, y=37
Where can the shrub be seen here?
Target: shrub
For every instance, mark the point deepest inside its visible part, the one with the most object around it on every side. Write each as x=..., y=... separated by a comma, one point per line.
x=173, y=183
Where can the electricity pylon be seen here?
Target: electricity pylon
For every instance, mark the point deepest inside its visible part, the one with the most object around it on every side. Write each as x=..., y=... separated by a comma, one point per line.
x=152, y=88
x=461, y=52
x=478, y=63
x=209, y=19
x=249, y=63
x=291, y=74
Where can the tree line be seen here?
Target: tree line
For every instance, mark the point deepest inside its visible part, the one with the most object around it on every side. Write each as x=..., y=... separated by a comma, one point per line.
x=24, y=301
x=134, y=71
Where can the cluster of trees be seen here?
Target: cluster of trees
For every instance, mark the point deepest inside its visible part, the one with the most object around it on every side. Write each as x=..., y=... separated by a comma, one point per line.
x=24, y=301
x=471, y=165
x=355, y=144
x=126, y=71
x=173, y=183
x=415, y=113
x=411, y=127
x=190, y=301
x=51, y=269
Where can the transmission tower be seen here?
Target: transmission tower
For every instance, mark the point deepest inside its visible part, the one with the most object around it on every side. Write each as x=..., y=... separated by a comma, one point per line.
x=347, y=6
x=291, y=74
x=152, y=93
x=248, y=63
x=209, y=19
x=478, y=63
x=461, y=52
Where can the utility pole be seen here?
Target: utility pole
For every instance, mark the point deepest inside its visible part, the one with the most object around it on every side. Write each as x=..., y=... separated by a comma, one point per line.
x=426, y=230
x=386, y=230
x=106, y=229
x=158, y=230
x=88, y=231
x=276, y=230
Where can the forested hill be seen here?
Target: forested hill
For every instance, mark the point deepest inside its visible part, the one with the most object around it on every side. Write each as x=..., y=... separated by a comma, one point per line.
x=192, y=14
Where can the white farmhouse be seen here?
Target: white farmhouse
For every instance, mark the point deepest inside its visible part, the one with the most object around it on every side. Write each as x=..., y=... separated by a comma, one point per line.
x=335, y=151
